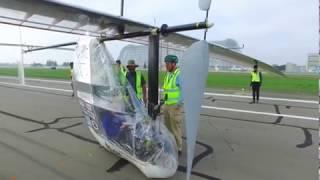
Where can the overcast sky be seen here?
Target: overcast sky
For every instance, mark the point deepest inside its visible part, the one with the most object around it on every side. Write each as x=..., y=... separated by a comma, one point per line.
x=274, y=31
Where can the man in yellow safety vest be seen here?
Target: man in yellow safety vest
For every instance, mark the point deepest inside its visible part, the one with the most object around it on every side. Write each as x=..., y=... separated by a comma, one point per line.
x=71, y=77
x=137, y=81
x=256, y=81
x=173, y=101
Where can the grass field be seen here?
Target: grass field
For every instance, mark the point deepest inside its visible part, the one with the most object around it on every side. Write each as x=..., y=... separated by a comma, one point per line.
x=37, y=73
x=293, y=84
x=297, y=84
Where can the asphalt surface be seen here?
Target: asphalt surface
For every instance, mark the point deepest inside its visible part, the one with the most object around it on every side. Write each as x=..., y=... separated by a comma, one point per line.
x=43, y=136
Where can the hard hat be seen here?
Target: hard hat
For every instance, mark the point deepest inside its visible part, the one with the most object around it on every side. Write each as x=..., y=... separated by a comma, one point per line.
x=171, y=59
x=132, y=63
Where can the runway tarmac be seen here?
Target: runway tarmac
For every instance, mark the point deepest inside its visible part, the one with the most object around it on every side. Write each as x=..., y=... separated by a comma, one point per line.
x=43, y=137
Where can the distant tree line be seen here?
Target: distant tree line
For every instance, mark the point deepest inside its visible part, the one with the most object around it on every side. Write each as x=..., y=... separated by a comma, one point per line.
x=50, y=63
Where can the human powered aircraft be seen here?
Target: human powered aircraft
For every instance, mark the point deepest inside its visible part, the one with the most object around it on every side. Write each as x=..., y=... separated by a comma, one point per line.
x=113, y=113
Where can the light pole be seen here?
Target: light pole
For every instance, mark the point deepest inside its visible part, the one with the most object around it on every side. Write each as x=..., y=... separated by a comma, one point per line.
x=122, y=4
x=204, y=5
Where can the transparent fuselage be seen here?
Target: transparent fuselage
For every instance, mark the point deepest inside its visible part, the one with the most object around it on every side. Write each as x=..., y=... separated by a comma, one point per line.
x=116, y=117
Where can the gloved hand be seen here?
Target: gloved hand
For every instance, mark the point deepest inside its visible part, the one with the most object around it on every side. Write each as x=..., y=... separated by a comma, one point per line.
x=179, y=104
x=162, y=101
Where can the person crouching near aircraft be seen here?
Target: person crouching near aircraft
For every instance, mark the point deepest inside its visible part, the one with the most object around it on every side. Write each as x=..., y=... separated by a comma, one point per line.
x=173, y=101
x=122, y=69
x=137, y=81
x=256, y=81
x=122, y=72
x=71, y=74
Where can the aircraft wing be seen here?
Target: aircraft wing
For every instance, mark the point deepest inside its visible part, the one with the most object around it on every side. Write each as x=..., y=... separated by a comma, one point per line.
x=221, y=53
x=60, y=17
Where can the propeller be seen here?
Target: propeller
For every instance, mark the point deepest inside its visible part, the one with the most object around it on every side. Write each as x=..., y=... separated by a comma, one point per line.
x=194, y=72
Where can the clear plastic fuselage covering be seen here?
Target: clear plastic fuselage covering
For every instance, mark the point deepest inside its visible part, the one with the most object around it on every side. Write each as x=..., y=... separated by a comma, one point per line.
x=114, y=114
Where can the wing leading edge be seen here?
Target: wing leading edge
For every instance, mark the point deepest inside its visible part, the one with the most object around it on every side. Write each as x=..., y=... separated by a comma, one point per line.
x=60, y=17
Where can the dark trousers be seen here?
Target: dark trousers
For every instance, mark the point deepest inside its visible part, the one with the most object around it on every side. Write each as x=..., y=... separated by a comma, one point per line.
x=255, y=91
x=72, y=88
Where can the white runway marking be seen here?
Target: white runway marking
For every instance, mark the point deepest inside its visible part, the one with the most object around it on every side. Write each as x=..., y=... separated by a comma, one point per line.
x=41, y=80
x=205, y=107
x=37, y=87
x=265, y=98
x=260, y=113
x=51, y=81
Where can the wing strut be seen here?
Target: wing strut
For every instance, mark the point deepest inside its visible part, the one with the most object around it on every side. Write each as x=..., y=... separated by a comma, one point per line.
x=164, y=30
x=153, y=75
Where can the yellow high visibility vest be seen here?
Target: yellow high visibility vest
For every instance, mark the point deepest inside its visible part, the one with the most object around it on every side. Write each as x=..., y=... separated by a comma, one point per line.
x=122, y=69
x=255, y=77
x=122, y=75
x=138, y=87
x=71, y=72
x=170, y=90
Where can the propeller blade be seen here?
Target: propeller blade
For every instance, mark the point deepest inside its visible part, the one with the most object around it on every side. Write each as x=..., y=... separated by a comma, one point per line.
x=194, y=72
